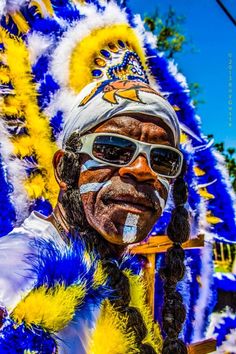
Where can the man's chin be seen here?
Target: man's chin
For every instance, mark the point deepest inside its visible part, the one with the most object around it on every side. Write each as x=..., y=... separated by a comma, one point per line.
x=122, y=238
x=121, y=227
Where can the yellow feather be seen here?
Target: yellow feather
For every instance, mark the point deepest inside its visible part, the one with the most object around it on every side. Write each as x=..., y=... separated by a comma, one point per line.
x=99, y=276
x=44, y=7
x=82, y=58
x=23, y=146
x=138, y=296
x=176, y=108
x=48, y=6
x=205, y=194
x=9, y=110
x=198, y=171
x=183, y=138
x=51, y=308
x=109, y=335
x=39, y=8
x=213, y=219
x=4, y=75
x=35, y=186
x=37, y=125
x=20, y=22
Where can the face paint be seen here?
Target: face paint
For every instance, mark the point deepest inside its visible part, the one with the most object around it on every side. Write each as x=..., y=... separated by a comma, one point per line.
x=93, y=187
x=114, y=221
x=161, y=200
x=130, y=228
x=90, y=164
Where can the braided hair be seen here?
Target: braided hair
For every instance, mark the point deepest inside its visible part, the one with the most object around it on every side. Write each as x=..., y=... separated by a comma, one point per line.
x=173, y=312
x=109, y=253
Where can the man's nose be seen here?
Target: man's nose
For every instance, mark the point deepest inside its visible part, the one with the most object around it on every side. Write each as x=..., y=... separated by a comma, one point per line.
x=140, y=170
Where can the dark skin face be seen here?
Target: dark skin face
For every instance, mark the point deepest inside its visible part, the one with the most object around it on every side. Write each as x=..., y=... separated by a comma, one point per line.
x=125, y=210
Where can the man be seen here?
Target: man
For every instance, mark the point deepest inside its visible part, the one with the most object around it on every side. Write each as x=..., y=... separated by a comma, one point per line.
x=120, y=155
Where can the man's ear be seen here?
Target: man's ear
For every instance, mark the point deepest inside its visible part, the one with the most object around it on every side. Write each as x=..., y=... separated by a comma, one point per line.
x=57, y=158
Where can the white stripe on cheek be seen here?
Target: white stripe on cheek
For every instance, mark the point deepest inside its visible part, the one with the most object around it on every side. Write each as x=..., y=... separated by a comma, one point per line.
x=161, y=200
x=93, y=187
x=130, y=228
x=90, y=164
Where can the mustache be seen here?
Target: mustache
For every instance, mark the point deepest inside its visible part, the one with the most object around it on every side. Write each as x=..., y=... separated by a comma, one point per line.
x=139, y=194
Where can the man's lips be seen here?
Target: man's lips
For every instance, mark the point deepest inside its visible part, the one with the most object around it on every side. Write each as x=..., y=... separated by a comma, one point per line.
x=135, y=204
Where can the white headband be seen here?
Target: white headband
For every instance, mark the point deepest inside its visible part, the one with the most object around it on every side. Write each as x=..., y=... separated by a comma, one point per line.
x=97, y=103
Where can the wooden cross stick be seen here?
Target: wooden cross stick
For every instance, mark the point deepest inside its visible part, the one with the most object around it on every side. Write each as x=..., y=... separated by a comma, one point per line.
x=203, y=347
x=149, y=249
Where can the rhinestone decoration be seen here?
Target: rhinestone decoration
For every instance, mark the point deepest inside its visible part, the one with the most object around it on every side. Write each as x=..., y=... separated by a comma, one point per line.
x=121, y=44
x=126, y=63
x=105, y=53
x=113, y=47
x=97, y=73
x=130, y=68
x=100, y=62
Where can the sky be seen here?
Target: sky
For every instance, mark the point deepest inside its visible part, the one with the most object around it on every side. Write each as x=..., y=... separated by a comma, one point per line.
x=209, y=59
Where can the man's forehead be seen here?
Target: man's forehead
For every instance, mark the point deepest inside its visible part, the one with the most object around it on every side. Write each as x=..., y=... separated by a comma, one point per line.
x=132, y=124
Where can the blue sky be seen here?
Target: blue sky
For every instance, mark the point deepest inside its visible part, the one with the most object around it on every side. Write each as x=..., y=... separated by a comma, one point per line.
x=213, y=37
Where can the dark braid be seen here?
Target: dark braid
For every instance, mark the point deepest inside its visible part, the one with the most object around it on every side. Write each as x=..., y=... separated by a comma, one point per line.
x=178, y=230
x=109, y=254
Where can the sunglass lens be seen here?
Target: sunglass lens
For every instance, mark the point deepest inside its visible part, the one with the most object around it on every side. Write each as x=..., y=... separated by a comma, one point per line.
x=113, y=149
x=165, y=161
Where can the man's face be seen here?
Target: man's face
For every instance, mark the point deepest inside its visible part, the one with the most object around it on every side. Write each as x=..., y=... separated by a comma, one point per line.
x=123, y=203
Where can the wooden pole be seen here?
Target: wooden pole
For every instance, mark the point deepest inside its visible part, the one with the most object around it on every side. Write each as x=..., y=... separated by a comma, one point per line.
x=149, y=249
x=203, y=347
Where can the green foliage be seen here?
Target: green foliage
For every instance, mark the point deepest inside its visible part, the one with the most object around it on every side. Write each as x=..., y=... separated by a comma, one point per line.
x=195, y=91
x=230, y=160
x=168, y=31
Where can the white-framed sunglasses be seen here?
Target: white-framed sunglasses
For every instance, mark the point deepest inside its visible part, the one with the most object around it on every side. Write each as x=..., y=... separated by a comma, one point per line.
x=119, y=151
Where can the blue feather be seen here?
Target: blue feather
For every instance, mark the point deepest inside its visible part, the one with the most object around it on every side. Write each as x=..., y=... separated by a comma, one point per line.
x=56, y=265
x=56, y=124
x=43, y=206
x=132, y=262
x=46, y=90
x=18, y=339
x=48, y=27
x=7, y=216
x=221, y=331
x=224, y=282
x=40, y=68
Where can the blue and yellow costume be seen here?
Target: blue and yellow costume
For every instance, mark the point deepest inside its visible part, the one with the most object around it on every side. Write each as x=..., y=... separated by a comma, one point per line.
x=49, y=51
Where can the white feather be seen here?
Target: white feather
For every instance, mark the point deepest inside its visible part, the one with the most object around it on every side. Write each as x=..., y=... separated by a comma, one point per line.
x=229, y=345
x=204, y=146
x=16, y=176
x=61, y=57
x=217, y=320
x=38, y=45
x=221, y=166
x=203, y=185
x=188, y=131
x=173, y=69
x=205, y=289
x=9, y=6
x=145, y=37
